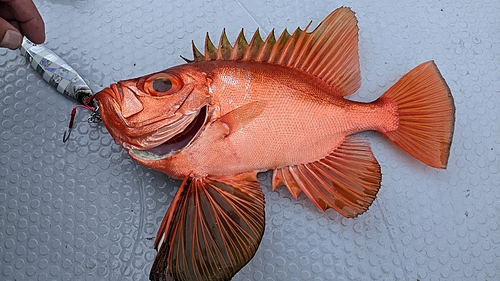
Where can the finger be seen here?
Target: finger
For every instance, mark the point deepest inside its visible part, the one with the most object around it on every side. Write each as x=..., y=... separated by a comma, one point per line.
x=10, y=37
x=34, y=30
x=30, y=22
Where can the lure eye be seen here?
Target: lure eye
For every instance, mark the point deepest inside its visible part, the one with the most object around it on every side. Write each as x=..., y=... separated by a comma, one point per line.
x=162, y=85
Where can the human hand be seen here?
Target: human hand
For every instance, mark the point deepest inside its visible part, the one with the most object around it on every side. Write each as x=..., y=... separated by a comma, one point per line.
x=20, y=18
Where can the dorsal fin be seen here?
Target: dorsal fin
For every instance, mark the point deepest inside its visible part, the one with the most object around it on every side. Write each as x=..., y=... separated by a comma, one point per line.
x=330, y=52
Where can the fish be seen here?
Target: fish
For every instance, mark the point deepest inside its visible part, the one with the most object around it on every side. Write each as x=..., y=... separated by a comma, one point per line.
x=238, y=109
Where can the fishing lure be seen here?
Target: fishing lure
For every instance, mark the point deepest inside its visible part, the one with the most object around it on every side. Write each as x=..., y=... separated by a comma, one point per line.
x=59, y=74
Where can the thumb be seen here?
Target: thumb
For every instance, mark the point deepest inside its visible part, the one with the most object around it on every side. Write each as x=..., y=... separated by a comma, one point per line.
x=10, y=37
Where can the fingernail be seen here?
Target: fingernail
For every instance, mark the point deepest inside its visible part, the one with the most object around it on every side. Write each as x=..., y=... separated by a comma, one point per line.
x=11, y=40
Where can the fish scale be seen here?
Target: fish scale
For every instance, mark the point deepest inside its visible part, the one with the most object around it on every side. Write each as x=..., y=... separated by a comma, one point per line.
x=310, y=111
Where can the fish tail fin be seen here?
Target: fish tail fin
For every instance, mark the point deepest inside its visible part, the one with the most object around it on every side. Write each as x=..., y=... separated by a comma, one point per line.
x=426, y=115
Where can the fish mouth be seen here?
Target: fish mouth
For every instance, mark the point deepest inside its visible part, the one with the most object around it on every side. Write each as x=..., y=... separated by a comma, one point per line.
x=175, y=143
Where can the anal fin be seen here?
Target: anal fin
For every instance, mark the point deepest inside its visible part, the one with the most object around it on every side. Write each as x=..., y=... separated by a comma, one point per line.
x=346, y=180
x=211, y=230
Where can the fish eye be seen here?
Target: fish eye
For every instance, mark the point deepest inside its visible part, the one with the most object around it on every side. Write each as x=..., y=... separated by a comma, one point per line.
x=162, y=84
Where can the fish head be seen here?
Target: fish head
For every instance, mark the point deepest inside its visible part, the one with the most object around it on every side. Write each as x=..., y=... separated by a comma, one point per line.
x=156, y=115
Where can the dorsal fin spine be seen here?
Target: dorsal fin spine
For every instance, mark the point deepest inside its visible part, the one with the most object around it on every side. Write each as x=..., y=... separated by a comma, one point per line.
x=224, y=49
x=297, y=54
x=240, y=46
x=210, y=50
x=278, y=47
x=196, y=53
x=267, y=46
x=286, y=51
x=253, y=47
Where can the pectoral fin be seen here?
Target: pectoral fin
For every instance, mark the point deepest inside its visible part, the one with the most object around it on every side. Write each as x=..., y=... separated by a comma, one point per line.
x=347, y=180
x=211, y=230
x=241, y=116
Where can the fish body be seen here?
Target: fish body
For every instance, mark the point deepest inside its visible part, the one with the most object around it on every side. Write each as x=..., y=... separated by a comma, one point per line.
x=279, y=105
x=287, y=115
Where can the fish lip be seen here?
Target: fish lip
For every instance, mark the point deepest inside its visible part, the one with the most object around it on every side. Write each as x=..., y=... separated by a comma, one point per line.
x=112, y=98
x=136, y=136
x=176, y=143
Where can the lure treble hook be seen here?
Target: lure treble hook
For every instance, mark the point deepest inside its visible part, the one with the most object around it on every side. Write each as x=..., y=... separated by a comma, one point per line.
x=85, y=105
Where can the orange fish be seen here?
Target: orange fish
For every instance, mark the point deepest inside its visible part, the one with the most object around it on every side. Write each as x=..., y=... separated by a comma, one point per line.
x=234, y=111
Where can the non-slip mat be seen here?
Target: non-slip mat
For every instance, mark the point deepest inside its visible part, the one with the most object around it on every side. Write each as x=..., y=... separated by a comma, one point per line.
x=84, y=210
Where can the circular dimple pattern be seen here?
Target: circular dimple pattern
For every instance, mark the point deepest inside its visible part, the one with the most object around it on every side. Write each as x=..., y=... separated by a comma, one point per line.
x=84, y=211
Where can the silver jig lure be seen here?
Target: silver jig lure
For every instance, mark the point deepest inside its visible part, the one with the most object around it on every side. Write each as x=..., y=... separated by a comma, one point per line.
x=62, y=77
